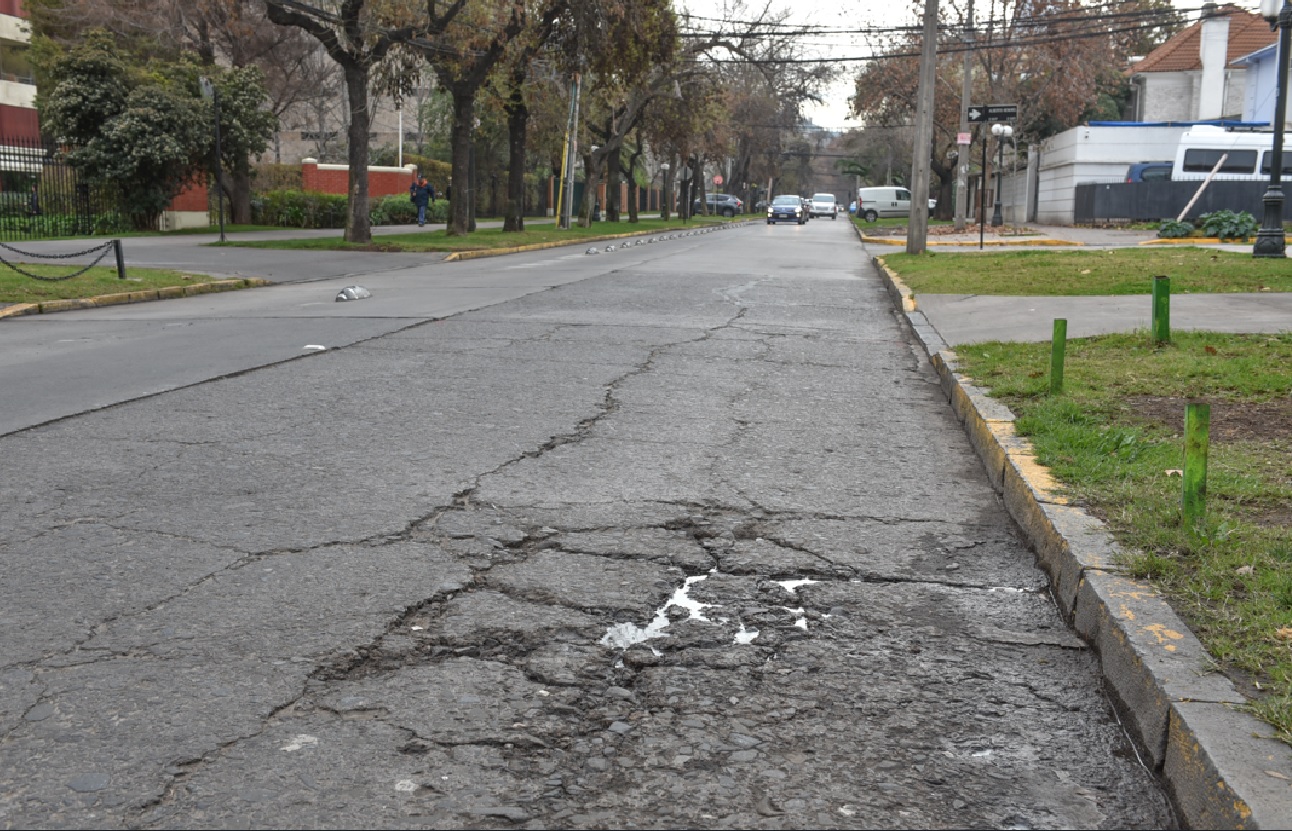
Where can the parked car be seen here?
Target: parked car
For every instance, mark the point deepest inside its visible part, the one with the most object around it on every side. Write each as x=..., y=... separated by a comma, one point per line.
x=873, y=203
x=1247, y=156
x=721, y=204
x=1149, y=172
x=786, y=208
x=823, y=204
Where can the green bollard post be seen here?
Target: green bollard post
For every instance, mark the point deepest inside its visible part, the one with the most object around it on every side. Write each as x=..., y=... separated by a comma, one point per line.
x=1161, y=310
x=1193, y=504
x=1058, y=346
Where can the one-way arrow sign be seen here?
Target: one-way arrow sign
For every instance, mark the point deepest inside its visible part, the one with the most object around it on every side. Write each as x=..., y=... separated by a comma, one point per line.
x=980, y=114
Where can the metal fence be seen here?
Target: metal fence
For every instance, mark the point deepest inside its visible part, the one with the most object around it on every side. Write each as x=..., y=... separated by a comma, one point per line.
x=1152, y=201
x=41, y=195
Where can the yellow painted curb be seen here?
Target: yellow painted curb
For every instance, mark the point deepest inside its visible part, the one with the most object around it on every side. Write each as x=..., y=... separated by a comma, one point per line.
x=66, y=305
x=1194, y=241
x=121, y=298
x=908, y=296
x=20, y=309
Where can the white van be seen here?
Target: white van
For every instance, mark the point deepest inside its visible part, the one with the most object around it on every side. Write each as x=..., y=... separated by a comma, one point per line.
x=1248, y=155
x=872, y=203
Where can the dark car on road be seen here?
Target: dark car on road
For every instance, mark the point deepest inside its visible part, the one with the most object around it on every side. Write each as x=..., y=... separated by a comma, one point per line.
x=1149, y=172
x=786, y=209
x=720, y=204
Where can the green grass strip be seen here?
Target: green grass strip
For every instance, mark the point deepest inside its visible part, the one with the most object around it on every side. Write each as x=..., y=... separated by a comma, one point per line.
x=19, y=288
x=1089, y=272
x=427, y=240
x=1114, y=439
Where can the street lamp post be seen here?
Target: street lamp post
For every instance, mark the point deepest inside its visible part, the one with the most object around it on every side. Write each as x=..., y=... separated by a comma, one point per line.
x=666, y=198
x=1270, y=239
x=211, y=92
x=1001, y=132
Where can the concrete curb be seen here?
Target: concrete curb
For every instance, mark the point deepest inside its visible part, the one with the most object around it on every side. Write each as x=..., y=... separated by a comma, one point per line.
x=1222, y=767
x=1044, y=241
x=168, y=293
x=1195, y=241
x=458, y=256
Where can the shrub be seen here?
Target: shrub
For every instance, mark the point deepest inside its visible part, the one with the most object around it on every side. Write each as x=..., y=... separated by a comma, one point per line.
x=1228, y=224
x=307, y=209
x=1174, y=229
x=299, y=209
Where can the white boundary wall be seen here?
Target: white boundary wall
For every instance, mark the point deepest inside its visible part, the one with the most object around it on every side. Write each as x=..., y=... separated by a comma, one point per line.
x=1081, y=155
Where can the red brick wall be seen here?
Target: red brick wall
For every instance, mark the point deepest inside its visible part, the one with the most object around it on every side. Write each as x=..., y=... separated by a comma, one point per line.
x=18, y=122
x=382, y=181
x=192, y=198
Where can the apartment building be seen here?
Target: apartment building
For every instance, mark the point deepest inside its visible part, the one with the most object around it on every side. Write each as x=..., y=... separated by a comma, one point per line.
x=17, y=81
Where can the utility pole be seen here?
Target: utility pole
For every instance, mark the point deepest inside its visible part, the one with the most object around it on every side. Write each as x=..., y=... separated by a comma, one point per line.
x=917, y=227
x=962, y=150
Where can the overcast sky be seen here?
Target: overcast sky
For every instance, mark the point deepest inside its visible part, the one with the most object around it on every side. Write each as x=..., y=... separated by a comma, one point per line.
x=856, y=14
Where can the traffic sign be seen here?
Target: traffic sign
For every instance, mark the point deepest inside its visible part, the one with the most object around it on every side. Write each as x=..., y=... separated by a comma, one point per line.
x=964, y=138
x=717, y=180
x=982, y=113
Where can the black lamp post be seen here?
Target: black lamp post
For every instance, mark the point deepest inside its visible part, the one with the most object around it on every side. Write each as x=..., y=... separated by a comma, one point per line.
x=1001, y=132
x=210, y=91
x=1270, y=239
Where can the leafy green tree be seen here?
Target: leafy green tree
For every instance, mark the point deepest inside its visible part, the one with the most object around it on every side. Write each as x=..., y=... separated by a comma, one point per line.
x=358, y=35
x=246, y=126
x=142, y=134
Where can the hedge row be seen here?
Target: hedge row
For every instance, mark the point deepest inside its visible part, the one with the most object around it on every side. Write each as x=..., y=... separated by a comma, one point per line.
x=309, y=209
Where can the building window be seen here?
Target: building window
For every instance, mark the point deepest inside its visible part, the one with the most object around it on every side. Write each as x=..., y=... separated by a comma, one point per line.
x=1200, y=160
x=14, y=63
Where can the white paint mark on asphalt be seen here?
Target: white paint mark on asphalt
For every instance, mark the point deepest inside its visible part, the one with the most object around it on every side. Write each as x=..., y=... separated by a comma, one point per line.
x=405, y=786
x=314, y=347
x=300, y=742
x=624, y=635
x=792, y=586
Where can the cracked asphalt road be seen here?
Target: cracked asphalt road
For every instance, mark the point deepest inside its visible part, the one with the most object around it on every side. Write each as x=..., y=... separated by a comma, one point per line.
x=377, y=587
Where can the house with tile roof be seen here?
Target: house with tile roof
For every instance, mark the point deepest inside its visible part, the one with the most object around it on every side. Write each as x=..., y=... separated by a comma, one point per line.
x=1198, y=74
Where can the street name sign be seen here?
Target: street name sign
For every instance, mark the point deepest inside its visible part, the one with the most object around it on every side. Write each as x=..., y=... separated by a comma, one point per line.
x=983, y=113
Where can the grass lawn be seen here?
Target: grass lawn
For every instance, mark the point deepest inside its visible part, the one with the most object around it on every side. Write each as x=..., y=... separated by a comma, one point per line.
x=19, y=288
x=1114, y=441
x=485, y=238
x=1069, y=272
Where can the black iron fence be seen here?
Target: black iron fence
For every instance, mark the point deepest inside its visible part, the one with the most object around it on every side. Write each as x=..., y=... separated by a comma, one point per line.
x=41, y=195
x=1152, y=201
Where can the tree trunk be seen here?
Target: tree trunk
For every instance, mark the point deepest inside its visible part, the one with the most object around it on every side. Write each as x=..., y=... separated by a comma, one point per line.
x=517, y=123
x=697, y=179
x=460, y=141
x=240, y=193
x=358, y=224
x=591, y=182
x=634, y=190
x=613, y=178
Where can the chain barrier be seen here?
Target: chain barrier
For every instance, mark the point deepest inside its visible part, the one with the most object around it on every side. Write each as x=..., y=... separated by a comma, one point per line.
x=102, y=249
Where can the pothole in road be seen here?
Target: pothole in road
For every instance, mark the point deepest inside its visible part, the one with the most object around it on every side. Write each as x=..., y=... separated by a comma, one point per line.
x=624, y=635
x=793, y=586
